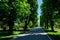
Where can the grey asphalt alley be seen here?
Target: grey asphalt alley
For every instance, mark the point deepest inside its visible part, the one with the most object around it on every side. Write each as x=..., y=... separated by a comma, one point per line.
x=36, y=34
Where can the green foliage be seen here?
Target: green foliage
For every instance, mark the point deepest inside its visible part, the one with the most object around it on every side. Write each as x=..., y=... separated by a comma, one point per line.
x=22, y=10
x=19, y=11
x=50, y=11
x=33, y=9
x=30, y=24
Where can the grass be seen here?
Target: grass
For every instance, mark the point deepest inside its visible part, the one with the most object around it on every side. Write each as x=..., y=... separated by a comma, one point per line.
x=5, y=36
x=54, y=35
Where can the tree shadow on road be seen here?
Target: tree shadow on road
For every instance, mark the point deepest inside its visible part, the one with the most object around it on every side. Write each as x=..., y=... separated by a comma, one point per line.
x=32, y=37
x=55, y=37
x=6, y=38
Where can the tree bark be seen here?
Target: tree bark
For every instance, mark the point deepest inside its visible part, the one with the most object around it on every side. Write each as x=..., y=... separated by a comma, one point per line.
x=11, y=17
x=25, y=27
x=51, y=23
x=11, y=24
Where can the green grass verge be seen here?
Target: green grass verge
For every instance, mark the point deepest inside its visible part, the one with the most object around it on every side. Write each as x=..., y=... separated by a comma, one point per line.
x=54, y=35
x=5, y=36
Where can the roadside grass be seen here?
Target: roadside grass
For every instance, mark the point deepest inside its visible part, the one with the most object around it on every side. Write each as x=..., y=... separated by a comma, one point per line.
x=4, y=35
x=54, y=35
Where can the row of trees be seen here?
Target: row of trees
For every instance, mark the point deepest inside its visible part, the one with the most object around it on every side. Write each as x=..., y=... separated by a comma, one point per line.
x=12, y=10
x=50, y=12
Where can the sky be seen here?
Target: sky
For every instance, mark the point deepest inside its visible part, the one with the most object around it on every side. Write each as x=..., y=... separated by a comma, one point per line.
x=39, y=4
x=39, y=11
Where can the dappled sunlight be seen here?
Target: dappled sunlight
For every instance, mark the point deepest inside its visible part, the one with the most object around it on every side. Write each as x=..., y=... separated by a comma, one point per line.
x=33, y=34
x=29, y=19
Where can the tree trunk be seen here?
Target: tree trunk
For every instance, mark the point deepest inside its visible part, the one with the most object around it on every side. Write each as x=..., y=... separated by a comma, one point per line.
x=11, y=17
x=47, y=24
x=51, y=23
x=11, y=24
x=25, y=27
x=4, y=28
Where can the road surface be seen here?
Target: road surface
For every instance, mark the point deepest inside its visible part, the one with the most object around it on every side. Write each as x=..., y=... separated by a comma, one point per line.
x=36, y=34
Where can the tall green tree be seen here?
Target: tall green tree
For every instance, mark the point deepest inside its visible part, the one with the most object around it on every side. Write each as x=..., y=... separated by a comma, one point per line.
x=15, y=10
x=48, y=9
x=21, y=11
x=33, y=9
x=4, y=13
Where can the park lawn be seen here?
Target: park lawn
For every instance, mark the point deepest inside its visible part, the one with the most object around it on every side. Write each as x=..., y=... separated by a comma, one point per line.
x=5, y=36
x=54, y=35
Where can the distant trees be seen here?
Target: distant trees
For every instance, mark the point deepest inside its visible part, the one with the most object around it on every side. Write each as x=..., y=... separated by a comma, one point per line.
x=48, y=15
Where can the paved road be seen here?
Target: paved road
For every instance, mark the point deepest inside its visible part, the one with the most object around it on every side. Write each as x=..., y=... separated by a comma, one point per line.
x=35, y=34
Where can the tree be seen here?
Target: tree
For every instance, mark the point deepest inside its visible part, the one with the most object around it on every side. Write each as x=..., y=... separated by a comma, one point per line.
x=14, y=10
x=3, y=13
x=18, y=9
x=47, y=9
x=23, y=12
x=33, y=12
